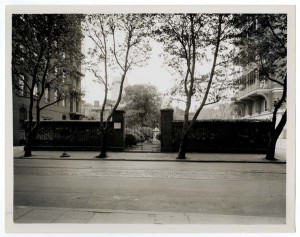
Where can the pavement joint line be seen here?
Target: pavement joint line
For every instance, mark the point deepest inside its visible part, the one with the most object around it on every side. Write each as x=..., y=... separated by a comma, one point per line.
x=58, y=216
x=24, y=214
x=87, y=221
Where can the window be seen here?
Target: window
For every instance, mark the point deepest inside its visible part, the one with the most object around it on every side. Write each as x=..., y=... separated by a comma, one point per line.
x=56, y=96
x=45, y=63
x=35, y=90
x=55, y=70
x=266, y=105
x=63, y=102
x=63, y=77
x=64, y=117
x=21, y=85
x=47, y=95
x=71, y=105
x=77, y=106
x=77, y=83
x=256, y=73
x=22, y=118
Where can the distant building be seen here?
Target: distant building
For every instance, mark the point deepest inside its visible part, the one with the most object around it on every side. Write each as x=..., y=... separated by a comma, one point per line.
x=116, y=88
x=92, y=112
x=256, y=95
x=179, y=114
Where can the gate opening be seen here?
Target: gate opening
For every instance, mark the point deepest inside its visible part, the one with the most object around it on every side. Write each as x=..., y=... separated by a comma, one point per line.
x=141, y=138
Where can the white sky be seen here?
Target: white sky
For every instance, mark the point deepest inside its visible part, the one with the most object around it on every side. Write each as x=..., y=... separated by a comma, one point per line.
x=153, y=73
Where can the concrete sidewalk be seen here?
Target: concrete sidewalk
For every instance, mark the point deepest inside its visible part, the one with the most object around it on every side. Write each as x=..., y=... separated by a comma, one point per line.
x=94, y=216
x=133, y=156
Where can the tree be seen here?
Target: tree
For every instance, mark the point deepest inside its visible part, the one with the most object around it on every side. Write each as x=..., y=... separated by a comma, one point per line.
x=262, y=41
x=119, y=43
x=187, y=40
x=142, y=105
x=45, y=57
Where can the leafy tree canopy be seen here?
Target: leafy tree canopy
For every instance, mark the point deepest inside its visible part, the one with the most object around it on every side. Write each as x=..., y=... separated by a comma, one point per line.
x=46, y=49
x=142, y=105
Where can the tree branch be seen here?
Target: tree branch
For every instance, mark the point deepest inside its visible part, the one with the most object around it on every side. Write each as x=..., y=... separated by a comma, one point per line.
x=114, y=49
x=276, y=36
x=211, y=73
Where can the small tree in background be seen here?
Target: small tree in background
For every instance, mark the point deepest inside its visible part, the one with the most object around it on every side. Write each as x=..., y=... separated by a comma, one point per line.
x=119, y=43
x=46, y=57
x=142, y=105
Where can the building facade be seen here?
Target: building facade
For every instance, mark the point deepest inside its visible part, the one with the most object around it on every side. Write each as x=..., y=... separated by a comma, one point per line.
x=92, y=112
x=255, y=98
x=256, y=95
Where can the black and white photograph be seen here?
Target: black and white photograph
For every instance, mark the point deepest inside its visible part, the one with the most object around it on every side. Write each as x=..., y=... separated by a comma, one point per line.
x=150, y=117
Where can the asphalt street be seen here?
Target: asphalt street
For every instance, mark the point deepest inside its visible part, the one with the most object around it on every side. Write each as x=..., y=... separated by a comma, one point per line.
x=213, y=188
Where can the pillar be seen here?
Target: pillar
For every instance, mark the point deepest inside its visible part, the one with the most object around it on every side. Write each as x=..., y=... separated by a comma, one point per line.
x=118, y=121
x=166, y=130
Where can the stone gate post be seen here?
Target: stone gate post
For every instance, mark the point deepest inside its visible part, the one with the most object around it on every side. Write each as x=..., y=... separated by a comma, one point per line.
x=166, y=130
x=119, y=130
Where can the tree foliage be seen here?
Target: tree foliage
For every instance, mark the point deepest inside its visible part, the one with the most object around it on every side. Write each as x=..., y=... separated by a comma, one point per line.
x=263, y=41
x=45, y=56
x=142, y=105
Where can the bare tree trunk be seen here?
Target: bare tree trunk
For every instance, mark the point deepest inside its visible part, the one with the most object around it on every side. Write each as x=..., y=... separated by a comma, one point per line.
x=182, y=148
x=31, y=130
x=274, y=137
x=276, y=131
x=103, y=145
x=187, y=126
x=27, y=147
x=28, y=142
x=31, y=133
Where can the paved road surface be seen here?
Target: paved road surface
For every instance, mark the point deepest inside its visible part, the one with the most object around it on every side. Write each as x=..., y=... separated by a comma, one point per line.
x=211, y=188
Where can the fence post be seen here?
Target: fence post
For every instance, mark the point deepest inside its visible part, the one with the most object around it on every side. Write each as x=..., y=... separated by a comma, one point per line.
x=166, y=130
x=119, y=130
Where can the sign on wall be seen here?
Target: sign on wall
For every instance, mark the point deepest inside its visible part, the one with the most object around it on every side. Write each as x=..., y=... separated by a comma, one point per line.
x=117, y=125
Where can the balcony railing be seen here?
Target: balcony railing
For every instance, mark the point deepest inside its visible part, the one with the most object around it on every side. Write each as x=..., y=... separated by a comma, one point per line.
x=258, y=85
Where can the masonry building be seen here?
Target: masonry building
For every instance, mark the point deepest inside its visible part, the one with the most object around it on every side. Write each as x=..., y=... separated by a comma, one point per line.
x=256, y=94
